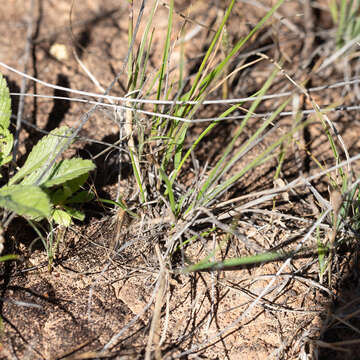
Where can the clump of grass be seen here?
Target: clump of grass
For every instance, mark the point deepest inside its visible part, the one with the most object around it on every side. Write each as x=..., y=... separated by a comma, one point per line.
x=168, y=134
x=345, y=15
x=162, y=143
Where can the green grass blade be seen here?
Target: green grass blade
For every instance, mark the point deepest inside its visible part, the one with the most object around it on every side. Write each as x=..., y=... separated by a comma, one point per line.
x=9, y=257
x=170, y=192
x=201, y=136
x=164, y=61
x=230, y=263
x=140, y=59
x=215, y=173
x=144, y=66
x=193, y=238
x=181, y=111
x=321, y=250
x=204, y=85
x=217, y=71
x=253, y=138
x=334, y=10
x=120, y=204
x=207, y=55
x=341, y=24
x=226, y=184
x=137, y=176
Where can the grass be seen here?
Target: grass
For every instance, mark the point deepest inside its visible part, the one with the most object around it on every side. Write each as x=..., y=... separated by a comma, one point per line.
x=345, y=16
x=199, y=202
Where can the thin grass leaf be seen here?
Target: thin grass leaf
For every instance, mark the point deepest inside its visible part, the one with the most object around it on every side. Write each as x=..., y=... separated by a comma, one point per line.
x=146, y=60
x=47, y=246
x=200, y=137
x=321, y=253
x=181, y=111
x=9, y=257
x=333, y=10
x=218, y=70
x=137, y=176
x=203, y=64
x=230, y=263
x=216, y=172
x=341, y=24
x=169, y=190
x=280, y=162
x=119, y=204
x=130, y=53
x=228, y=183
x=331, y=141
x=193, y=238
x=164, y=61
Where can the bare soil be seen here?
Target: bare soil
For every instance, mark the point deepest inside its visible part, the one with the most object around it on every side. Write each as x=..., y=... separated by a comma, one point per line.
x=98, y=303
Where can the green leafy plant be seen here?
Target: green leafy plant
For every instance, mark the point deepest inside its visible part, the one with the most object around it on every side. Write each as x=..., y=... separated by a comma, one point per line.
x=43, y=188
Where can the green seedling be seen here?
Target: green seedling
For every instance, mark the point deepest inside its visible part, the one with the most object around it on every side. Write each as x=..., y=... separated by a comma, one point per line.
x=42, y=188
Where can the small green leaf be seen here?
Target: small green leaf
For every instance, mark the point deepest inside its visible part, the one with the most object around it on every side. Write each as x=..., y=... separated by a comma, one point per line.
x=76, y=214
x=62, y=217
x=68, y=169
x=59, y=196
x=64, y=194
x=76, y=183
x=25, y=200
x=6, y=138
x=5, y=104
x=41, y=156
x=6, y=145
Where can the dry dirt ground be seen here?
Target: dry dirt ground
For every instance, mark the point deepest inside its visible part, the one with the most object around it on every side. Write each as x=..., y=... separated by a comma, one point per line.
x=100, y=304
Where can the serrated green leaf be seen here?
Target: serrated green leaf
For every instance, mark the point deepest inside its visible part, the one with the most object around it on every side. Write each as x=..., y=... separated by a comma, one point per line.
x=61, y=195
x=6, y=138
x=69, y=169
x=61, y=217
x=5, y=104
x=41, y=156
x=29, y=201
x=6, y=145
